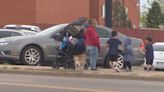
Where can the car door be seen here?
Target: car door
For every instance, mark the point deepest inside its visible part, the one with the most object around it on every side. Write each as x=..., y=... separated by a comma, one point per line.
x=52, y=46
x=104, y=36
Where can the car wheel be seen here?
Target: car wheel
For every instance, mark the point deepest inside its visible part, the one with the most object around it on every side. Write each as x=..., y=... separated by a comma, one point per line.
x=107, y=62
x=116, y=64
x=119, y=63
x=32, y=55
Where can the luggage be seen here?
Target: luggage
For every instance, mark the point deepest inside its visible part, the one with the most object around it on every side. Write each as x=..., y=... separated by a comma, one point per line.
x=75, y=30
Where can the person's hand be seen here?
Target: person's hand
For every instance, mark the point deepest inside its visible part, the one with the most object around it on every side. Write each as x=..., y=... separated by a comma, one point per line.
x=142, y=50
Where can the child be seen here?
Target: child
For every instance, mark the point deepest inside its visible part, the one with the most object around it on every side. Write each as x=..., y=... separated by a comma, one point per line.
x=128, y=54
x=113, y=44
x=149, y=54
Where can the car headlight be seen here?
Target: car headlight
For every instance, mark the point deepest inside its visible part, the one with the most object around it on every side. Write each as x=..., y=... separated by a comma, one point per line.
x=4, y=42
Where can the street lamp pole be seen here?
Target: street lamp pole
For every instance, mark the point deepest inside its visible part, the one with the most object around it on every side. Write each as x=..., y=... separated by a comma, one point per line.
x=108, y=14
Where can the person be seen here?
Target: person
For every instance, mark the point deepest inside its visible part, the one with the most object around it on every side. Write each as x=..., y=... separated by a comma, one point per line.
x=113, y=44
x=149, y=54
x=92, y=43
x=128, y=54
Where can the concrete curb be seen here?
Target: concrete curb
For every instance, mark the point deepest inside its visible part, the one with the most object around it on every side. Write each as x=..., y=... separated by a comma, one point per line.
x=78, y=74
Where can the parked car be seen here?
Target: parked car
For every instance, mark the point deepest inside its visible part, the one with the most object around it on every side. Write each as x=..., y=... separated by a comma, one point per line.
x=41, y=47
x=24, y=27
x=11, y=32
x=158, y=55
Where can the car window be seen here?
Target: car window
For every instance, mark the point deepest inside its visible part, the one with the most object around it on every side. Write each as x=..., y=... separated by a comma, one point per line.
x=158, y=47
x=121, y=37
x=15, y=34
x=4, y=34
x=102, y=33
x=52, y=30
x=11, y=27
x=25, y=28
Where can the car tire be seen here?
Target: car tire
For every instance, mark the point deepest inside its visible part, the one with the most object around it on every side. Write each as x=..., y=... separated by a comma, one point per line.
x=106, y=62
x=118, y=64
x=32, y=55
x=157, y=69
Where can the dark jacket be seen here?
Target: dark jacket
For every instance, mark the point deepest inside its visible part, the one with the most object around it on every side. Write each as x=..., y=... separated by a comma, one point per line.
x=128, y=52
x=149, y=55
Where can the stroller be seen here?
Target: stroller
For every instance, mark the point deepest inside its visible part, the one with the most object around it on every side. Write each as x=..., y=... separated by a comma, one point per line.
x=64, y=58
x=70, y=36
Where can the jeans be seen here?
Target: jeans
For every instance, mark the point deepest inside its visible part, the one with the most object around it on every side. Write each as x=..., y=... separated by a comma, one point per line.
x=92, y=51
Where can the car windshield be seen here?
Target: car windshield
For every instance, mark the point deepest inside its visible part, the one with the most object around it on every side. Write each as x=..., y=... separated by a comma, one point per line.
x=158, y=47
x=52, y=30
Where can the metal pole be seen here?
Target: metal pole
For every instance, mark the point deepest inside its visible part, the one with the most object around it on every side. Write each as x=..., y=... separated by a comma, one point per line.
x=108, y=14
x=123, y=3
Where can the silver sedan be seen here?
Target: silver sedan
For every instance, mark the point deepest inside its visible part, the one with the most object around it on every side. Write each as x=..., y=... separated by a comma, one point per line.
x=33, y=50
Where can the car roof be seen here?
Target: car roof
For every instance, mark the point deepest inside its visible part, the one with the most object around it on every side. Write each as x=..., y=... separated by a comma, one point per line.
x=14, y=25
x=100, y=26
x=18, y=31
x=159, y=43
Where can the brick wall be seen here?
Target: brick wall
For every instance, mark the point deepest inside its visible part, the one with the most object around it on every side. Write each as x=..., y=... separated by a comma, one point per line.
x=50, y=12
x=17, y=12
x=157, y=35
x=60, y=11
x=133, y=11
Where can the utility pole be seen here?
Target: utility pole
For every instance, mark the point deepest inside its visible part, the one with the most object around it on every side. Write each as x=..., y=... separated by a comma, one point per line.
x=108, y=14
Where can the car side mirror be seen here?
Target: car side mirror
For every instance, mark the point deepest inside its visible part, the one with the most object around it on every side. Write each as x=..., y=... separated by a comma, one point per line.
x=56, y=35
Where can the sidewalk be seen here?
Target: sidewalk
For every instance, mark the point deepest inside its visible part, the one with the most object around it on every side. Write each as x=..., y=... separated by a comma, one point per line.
x=137, y=74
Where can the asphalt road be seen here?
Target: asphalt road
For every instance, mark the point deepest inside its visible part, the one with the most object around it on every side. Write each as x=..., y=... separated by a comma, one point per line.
x=40, y=83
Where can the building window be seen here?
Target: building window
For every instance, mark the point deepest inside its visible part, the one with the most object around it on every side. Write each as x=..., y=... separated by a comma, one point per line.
x=126, y=10
x=134, y=26
x=103, y=11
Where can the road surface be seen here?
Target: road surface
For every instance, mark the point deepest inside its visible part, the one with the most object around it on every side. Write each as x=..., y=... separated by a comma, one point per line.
x=40, y=83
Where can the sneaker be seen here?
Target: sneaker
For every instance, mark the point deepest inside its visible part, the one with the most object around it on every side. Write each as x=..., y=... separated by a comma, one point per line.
x=150, y=69
x=145, y=68
x=94, y=69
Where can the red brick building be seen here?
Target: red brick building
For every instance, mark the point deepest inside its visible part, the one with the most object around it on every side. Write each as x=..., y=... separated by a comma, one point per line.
x=50, y=12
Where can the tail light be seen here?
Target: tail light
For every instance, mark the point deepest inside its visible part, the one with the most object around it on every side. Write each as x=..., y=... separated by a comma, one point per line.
x=142, y=46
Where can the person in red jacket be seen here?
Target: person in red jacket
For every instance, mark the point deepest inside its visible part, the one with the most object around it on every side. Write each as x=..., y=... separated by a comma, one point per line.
x=92, y=43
